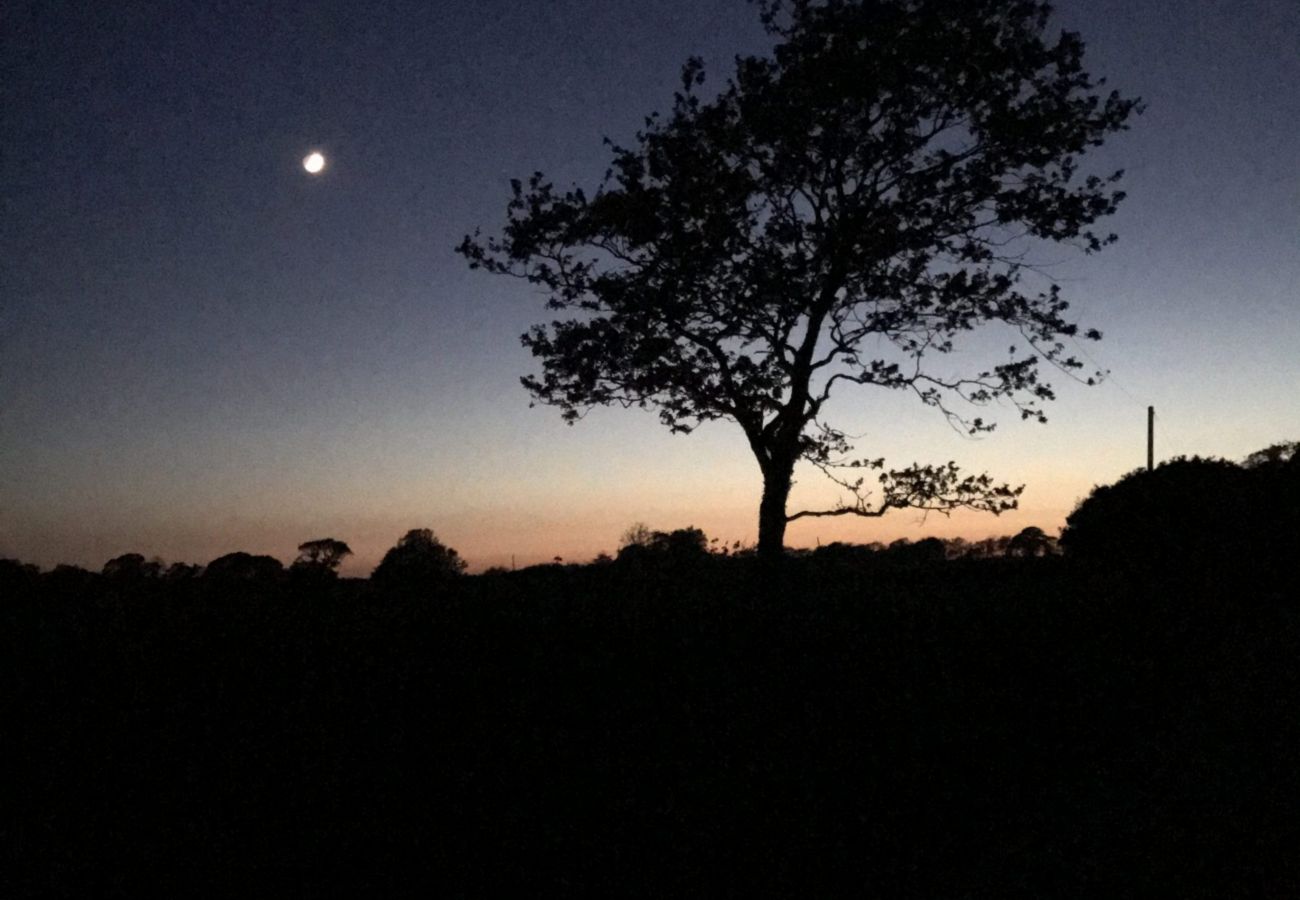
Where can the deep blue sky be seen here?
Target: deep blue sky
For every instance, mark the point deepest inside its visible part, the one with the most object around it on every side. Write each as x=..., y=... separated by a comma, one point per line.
x=204, y=349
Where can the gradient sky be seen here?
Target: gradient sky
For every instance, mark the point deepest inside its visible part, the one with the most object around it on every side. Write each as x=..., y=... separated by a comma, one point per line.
x=203, y=349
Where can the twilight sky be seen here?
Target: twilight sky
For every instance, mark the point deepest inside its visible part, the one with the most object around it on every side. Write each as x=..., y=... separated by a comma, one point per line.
x=204, y=349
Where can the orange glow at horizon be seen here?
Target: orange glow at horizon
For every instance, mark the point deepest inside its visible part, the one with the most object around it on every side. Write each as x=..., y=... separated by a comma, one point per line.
x=506, y=536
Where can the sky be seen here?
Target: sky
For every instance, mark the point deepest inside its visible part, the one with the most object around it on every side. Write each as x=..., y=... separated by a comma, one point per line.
x=205, y=349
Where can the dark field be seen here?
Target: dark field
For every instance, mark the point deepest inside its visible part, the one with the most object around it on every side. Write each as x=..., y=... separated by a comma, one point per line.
x=964, y=729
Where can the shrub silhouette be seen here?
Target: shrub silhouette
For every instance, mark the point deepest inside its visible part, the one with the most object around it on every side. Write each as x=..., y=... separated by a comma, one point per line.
x=681, y=546
x=419, y=560
x=1194, y=513
x=1275, y=471
x=240, y=566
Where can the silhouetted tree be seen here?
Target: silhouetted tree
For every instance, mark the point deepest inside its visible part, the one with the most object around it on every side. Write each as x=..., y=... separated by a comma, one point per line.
x=1275, y=471
x=682, y=545
x=15, y=575
x=988, y=548
x=1278, y=454
x=241, y=566
x=66, y=570
x=923, y=552
x=929, y=550
x=182, y=571
x=419, y=560
x=132, y=566
x=638, y=534
x=841, y=213
x=840, y=553
x=321, y=555
x=1030, y=541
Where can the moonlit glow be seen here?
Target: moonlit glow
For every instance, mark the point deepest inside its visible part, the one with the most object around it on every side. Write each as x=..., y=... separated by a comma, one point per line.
x=313, y=162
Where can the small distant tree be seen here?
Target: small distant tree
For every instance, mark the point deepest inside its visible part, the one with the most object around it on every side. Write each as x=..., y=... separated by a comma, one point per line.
x=842, y=213
x=926, y=551
x=418, y=560
x=988, y=548
x=929, y=550
x=241, y=566
x=322, y=555
x=684, y=542
x=638, y=534
x=180, y=571
x=1278, y=454
x=131, y=566
x=70, y=572
x=1031, y=541
x=678, y=546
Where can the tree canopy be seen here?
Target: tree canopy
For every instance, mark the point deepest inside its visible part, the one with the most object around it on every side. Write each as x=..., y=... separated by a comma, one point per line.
x=241, y=566
x=1194, y=515
x=841, y=212
x=418, y=560
x=679, y=546
x=322, y=554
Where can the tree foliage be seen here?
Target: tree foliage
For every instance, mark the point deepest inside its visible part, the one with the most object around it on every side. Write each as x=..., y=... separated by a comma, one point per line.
x=322, y=554
x=241, y=566
x=679, y=546
x=130, y=566
x=1031, y=541
x=1275, y=455
x=1194, y=515
x=842, y=212
x=418, y=560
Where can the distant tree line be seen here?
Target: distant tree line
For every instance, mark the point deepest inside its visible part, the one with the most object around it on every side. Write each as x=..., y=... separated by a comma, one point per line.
x=1194, y=513
x=418, y=559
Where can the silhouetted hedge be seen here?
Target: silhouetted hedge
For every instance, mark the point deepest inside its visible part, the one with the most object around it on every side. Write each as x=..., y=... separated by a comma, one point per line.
x=1193, y=517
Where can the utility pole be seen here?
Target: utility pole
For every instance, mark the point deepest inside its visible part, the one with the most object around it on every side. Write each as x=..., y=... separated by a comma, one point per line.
x=1151, y=438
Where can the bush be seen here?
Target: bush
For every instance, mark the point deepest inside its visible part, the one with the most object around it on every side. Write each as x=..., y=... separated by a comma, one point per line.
x=1190, y=514
x=418, y=561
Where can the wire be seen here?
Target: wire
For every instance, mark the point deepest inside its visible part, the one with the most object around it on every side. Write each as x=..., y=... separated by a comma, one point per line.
x=1109, y=376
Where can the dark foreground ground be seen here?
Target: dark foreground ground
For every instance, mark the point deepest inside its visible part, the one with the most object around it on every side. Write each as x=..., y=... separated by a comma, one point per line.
x=968, y=729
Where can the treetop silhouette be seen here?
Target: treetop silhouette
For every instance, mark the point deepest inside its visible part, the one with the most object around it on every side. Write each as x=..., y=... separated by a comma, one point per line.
x=322, y=554
x=241, y=566
x=418, y=560
x=840, y=213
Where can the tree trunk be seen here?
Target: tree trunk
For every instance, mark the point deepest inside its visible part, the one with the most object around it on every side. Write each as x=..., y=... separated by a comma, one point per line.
x=771, y=512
